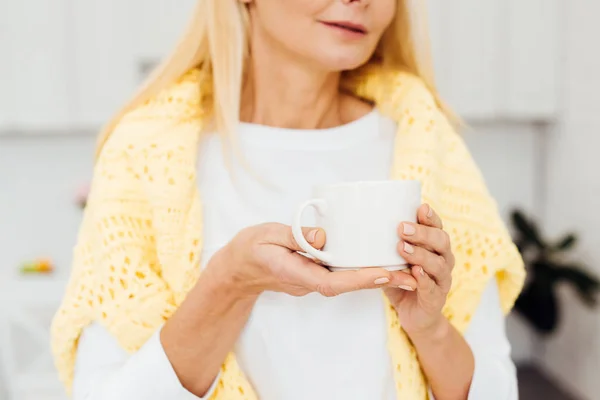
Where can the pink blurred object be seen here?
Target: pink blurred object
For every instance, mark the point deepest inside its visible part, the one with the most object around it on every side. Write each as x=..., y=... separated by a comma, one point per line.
x=82, y=195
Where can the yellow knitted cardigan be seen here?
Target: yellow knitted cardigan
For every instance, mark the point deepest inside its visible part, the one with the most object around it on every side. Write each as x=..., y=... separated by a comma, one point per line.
x=138, y=249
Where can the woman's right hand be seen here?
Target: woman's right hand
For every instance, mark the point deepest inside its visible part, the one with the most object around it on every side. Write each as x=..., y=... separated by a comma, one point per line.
x=264, y=258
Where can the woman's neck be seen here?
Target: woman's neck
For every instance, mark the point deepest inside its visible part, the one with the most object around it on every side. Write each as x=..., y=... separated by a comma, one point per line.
x=282, y=91
x=290, y=97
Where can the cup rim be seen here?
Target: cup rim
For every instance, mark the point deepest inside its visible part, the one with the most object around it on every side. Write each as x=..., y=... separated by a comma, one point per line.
x=366, y=183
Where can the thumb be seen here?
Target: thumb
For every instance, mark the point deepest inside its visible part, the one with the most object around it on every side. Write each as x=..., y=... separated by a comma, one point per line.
x=314, y=236
x=282, y=235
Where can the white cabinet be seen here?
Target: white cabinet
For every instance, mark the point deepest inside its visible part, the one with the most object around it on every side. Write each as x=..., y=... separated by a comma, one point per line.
x=497, y=59
x=533, y=59
x=35, y=86
x=26, y=308
x=159, y=24
x=114, y=41
x=69, y=65
x=464, y=44
x=102, y=57
x=6, y=87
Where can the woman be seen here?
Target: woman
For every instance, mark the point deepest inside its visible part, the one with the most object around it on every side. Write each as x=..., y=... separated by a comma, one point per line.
x=261, y=100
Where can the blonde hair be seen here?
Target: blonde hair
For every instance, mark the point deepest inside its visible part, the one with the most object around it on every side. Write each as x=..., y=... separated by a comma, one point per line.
x=216, y=40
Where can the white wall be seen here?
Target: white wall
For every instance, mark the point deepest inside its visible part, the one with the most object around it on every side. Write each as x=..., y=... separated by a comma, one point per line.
x=39, y=177
x=573, y=195
x=509, y=157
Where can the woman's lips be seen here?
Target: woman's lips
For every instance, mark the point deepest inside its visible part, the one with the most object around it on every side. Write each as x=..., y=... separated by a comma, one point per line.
x=346, y=28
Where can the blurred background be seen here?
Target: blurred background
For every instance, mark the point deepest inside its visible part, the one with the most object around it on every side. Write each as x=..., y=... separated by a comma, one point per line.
x=524, y=74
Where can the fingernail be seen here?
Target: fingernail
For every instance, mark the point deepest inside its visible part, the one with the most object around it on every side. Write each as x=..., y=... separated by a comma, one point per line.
x=404, y=287
x=408, y=248
x=421, y=271
x=381, y=281
x=408, y=229
x=430, y=212
x=311, y=236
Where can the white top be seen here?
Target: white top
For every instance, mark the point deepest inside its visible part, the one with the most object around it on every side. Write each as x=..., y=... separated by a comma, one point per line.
x=293, y=348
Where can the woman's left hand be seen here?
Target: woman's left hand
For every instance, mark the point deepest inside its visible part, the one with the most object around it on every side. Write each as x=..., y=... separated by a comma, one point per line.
x=425, y=246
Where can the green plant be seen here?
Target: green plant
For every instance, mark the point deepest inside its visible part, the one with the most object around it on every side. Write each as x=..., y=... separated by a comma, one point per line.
x=548, y=267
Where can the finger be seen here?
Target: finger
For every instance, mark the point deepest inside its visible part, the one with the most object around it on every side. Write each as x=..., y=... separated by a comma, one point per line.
x=434, y=264
x=313, y=235
x=426, y=286
x=432, y=239
x=281, y=235
x=403, y=280
x=335, y=283
x=303, y=273
x=426, y=215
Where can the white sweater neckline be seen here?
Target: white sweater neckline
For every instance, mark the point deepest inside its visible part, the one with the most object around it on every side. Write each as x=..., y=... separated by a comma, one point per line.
x=258, y=135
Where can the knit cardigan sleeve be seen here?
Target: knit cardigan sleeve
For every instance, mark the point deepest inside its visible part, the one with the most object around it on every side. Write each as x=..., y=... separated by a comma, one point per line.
x=117, y=278
x=429, y=149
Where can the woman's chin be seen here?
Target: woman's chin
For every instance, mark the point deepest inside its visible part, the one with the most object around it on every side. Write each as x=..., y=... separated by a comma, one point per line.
x=343, y=62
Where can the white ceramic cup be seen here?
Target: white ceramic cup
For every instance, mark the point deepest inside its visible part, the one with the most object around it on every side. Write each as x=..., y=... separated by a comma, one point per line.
x=361, y=222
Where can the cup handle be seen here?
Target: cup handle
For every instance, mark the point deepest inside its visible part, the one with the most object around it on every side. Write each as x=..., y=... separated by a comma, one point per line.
x=320, y=205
